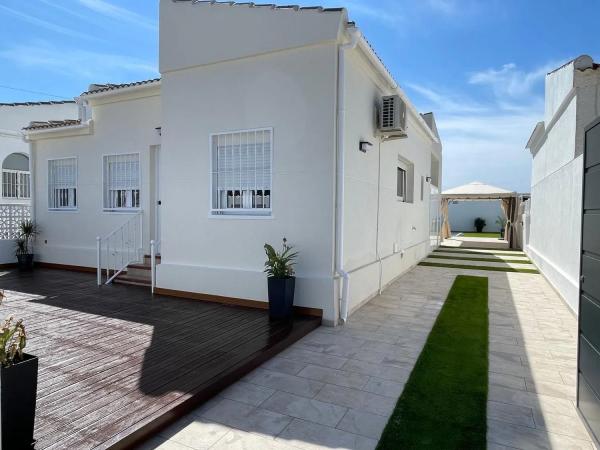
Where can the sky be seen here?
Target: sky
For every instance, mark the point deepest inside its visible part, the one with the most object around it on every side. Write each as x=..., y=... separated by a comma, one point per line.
x=479, y=65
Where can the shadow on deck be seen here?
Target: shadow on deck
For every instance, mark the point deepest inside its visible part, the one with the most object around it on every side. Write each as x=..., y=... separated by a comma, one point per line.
x=117, y=364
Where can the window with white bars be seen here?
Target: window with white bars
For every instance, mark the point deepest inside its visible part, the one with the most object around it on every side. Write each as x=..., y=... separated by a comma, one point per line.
x=121, y=181
x=15, y=184
x=62, y=183
x=242, y=172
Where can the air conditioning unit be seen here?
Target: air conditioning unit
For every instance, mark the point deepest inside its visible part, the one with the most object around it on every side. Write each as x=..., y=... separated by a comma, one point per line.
x=392, y=117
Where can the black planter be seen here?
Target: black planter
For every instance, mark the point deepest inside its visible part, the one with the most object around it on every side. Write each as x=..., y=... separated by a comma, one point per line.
x=18, y=390
x=281, y=298
x=25, y=262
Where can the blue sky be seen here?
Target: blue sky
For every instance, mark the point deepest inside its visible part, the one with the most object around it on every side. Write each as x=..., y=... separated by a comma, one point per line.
x=478, y=64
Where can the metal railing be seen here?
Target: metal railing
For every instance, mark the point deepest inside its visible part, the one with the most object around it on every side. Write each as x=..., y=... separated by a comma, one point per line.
x=11, y=216
x=154, y=250
x=121, y=247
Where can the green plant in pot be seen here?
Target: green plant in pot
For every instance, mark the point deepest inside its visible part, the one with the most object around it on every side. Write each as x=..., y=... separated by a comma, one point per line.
x=479, y=224
x=281, y=280
x=24, y=251
x=18, y=386
x=501, y=222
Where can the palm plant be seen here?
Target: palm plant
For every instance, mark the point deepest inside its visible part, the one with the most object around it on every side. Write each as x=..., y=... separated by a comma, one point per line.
x=28, y=230
x=280, y=264
x=13, y=340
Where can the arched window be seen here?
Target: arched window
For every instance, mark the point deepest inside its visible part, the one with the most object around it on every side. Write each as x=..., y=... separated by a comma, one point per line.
x=15, y=176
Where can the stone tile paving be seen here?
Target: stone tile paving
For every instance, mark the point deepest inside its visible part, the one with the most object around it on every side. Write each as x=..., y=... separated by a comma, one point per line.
x=337, y=386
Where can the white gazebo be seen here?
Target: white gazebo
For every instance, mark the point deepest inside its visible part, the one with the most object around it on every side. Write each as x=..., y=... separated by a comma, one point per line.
x=481, y=191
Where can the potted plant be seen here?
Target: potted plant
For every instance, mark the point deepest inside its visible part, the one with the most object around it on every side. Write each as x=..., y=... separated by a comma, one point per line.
x=18, y=386
x=501, y=222
x=24, y=251
x=479, y=224
x=281, y=280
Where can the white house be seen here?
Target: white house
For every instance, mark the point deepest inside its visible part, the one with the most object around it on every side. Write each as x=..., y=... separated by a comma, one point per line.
x=15, y=192
x=267, y=122
x=556, y=145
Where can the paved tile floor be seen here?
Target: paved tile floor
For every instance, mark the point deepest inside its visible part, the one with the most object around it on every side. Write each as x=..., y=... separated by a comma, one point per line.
x=337, y=387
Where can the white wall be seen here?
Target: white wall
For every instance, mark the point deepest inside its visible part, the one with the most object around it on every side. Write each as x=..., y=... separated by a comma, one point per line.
x=557, y=174
x=463, y=214
x=404, y=227
x=14, y=117
x=294, y=93
x=69, y=237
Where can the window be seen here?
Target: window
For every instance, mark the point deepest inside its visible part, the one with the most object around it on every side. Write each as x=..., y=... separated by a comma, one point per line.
x=401, y=184
x=62, y=183
x=15, y=184
x=121, y=181
x=241, y=172
x=16, y=177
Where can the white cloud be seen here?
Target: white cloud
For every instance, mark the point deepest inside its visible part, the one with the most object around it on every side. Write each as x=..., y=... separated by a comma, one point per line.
x=45, y=24
x=118, y=13
x=484, y=136
x=87, y=65
x=509, y=80
x=448, y=7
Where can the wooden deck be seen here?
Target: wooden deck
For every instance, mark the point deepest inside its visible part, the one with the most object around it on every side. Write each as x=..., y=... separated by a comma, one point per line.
x=117, y=364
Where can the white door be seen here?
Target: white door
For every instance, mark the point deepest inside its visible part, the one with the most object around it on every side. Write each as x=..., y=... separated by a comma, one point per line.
x=157, y=202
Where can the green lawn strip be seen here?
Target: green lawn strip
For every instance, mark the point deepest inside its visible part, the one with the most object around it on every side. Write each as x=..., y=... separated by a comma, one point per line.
x=496, y=260
x=481, y=235
x=465, y=266
x=443, y=405
x=470, y=250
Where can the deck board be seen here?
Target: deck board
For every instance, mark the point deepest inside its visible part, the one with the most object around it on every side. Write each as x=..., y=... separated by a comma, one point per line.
x=117, y=364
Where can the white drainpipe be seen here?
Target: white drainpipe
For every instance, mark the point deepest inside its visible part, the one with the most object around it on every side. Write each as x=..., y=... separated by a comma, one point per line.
x=341, y=113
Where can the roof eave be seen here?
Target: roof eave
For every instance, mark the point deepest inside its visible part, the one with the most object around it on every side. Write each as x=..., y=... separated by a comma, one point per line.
x=120, y=90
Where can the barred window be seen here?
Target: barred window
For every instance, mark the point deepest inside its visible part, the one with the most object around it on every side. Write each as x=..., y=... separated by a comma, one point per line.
x=121, y=181
x=242, y=172
x=15, y=184
x=62, y=183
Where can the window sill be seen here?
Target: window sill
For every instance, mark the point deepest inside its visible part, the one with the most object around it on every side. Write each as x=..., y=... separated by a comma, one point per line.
x=241, y=216
x=121, y=210
x=63, y=209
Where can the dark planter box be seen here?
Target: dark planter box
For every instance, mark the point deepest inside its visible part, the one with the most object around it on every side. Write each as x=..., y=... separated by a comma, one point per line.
x=281, y=298
x=18, y=391
x=25, y=262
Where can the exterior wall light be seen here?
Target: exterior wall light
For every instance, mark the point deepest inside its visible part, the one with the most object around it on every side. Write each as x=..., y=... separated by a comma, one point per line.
x=364, y=146
x=428, y=179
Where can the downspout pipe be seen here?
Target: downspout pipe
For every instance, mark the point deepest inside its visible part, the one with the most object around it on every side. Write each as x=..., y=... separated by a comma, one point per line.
x=355, y=36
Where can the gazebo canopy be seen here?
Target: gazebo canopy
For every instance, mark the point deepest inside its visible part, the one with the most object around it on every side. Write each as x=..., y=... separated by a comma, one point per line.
x=477, y=191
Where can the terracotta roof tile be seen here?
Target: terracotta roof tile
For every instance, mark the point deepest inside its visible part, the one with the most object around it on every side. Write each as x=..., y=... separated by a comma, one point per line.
x=266, y=5
x=52, y=124
x=51, y=102
x=95, y=88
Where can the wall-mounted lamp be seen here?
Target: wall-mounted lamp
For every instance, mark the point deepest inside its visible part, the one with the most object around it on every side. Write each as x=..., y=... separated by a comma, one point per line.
x=364, y=146
x=428, y=179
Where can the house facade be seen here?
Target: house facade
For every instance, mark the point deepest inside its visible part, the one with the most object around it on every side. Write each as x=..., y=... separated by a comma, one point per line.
x=15, y=193
x=557, y=145
x=264, y=125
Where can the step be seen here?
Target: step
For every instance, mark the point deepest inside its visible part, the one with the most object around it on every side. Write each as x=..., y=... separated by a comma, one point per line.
x=139, y=270
x=132, y=281
x=147, y=259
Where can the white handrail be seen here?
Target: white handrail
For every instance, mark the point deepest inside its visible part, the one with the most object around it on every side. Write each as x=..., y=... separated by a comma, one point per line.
x=122, y=246
x=154, y=249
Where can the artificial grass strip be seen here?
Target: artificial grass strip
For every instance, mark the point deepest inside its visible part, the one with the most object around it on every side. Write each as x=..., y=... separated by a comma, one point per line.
x=496, y=260
x=443, y=405
x=466, y=266
x=488, y=249
x=482, y=251
x=481, y=235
